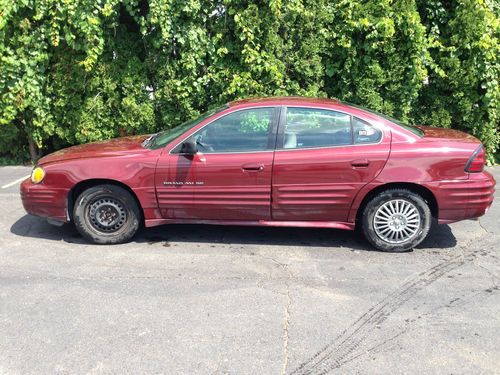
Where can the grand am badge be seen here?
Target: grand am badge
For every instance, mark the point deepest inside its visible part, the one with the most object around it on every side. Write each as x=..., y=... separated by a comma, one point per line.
x=183, y=183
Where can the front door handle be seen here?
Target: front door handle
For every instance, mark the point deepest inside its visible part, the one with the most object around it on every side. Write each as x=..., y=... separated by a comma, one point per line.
x=360, y=163
x=252, y=167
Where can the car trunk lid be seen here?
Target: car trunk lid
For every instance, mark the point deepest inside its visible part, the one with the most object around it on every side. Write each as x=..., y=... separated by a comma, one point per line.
x=439, y=134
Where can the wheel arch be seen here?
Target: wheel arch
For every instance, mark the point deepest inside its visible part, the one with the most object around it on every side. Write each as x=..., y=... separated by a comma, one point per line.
x=421, y=190
x=86, y=184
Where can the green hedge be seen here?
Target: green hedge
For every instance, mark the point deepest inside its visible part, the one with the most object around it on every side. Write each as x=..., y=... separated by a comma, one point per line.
x=79, y=71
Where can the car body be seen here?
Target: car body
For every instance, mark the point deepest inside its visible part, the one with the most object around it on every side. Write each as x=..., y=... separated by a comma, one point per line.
x=280, y=161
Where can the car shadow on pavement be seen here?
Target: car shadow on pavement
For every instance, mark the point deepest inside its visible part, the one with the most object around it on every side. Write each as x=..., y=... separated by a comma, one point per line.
x=250, y=235
x=33, y=227
x=440, y=237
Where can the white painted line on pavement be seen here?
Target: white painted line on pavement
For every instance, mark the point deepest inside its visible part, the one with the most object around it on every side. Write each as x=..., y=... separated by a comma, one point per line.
x=15, y=182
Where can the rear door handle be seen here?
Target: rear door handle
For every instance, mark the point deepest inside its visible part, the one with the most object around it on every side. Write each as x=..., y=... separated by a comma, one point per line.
x=252, y=167
x=360, y=163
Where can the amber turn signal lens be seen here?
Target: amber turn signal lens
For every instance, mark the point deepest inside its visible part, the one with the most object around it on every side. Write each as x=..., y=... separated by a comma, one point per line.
x=37, y=175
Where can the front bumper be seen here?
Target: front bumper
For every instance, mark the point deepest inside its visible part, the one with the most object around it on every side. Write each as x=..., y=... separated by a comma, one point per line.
x=41, y=200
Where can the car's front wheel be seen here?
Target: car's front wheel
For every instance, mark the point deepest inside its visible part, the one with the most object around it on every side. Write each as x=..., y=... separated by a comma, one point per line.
x=396, y=220
x=106, y=214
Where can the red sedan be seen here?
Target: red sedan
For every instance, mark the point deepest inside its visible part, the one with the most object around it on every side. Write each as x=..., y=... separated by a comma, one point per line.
x=274, y=161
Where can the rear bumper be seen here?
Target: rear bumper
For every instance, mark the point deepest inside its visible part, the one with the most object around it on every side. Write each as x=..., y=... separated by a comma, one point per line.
x=464, y=199
x=43, y=201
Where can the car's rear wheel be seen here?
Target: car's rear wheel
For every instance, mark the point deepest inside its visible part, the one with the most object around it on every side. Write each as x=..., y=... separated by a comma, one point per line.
x=106, y=214
x=396, y=220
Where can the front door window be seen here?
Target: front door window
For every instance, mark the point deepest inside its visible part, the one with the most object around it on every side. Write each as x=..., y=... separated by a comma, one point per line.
x=242, y=131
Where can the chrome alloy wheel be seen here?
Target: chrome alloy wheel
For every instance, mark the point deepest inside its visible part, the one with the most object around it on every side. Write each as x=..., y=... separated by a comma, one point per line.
x=396, y=221
x=107, y=214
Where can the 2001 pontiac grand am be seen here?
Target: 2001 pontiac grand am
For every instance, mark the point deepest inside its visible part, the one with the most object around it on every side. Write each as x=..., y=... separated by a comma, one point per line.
x=275, y=161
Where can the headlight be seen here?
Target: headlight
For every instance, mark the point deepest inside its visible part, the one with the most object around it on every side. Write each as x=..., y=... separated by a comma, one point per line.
x=37, y=175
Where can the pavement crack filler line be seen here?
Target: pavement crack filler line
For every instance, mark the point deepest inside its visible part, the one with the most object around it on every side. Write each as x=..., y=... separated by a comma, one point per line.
x=286, y=320
x=481, y=225
x=286, y=313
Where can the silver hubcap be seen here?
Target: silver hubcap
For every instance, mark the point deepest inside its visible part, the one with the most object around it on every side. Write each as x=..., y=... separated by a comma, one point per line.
x=107, y=214
x=396, y=221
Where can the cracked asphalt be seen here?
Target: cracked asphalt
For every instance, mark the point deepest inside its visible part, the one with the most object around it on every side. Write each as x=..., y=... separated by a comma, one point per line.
x=233, y=300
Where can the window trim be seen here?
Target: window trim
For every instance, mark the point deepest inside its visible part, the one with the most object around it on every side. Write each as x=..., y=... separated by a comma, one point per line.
x=281, y=130
x=275, y=117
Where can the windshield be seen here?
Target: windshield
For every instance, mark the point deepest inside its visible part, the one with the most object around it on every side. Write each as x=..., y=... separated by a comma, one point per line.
x=162, y=138
x=411, y=128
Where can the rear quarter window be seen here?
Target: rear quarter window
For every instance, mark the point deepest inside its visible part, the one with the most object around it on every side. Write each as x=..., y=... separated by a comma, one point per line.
x=363, y=132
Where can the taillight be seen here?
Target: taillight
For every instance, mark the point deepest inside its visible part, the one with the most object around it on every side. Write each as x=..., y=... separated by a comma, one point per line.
x=476, y=161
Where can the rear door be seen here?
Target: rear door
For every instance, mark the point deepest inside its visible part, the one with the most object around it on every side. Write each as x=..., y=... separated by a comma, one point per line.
x=323, y=158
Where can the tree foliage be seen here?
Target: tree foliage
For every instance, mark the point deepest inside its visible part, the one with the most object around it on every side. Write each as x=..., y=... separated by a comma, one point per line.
x=74, y=71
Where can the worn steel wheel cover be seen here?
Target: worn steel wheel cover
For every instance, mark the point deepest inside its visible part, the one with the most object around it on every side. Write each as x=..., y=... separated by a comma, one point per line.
x=107, y=214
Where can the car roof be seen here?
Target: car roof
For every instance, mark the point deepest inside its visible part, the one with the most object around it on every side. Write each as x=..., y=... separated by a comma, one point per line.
x=333, y=104
x=284, y=100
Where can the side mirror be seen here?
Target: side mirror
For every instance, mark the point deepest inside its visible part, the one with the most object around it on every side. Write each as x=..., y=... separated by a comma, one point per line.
x=189, y=147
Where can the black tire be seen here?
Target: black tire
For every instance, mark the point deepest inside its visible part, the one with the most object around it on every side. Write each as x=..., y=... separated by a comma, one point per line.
x=378, y=232
x=106, y=215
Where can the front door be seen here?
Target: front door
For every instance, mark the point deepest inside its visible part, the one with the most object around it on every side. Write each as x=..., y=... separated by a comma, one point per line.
x=323, y=159
x=230, y=176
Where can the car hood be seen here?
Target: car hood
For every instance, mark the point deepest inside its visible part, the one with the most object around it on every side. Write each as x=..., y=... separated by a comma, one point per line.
x=113, y=147
x=440, y=134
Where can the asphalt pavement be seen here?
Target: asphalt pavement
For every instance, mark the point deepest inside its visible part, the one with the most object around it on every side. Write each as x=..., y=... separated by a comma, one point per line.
x=196, y=299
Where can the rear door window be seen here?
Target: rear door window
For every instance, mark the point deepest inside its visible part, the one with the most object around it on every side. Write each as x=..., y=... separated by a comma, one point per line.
x=313, y=127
